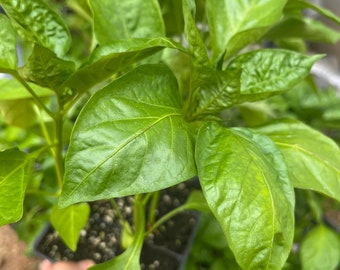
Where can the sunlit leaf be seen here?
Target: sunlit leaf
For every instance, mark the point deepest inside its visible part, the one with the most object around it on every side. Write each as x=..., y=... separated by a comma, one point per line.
x=236, y=23
x=246, y=184
x=269, y=72
x=125, y=19
x=68, y=222
x=313, y=159
x=8, y=55
x=134, y=120
x=39, y=21
x=15, y=166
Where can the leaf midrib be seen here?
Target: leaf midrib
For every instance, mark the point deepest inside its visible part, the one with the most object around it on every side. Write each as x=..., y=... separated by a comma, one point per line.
x=119, y=148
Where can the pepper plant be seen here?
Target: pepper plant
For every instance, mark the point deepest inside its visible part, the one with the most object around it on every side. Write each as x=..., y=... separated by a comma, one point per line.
x=149, y=94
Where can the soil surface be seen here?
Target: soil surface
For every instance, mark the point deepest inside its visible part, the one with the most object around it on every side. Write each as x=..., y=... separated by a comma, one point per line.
x=12, y=252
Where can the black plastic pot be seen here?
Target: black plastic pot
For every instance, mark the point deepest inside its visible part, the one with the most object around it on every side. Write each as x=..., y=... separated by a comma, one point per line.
x=167, y=248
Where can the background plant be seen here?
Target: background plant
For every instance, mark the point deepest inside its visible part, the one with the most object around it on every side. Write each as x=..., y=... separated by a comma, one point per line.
x=167, y=88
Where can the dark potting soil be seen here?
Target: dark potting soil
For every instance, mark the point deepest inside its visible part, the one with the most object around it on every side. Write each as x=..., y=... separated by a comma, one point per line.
x=101, y=237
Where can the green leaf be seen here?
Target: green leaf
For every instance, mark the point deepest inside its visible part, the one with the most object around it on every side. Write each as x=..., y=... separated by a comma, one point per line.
x=130, y=138
x=269, y=72
x=68, y=222
x=236, y=23
x=313, y=159
x=8, y=54
x=15, y=167
x=300, y=5
x=246, y=184
x=18, y=113
x=196, y=45
x=44, y=68
x=11, y=89
x=125, y=19
x=304, y=28
x=39, y=21
x=108, y=60
x=213, y=92
x=320, y=250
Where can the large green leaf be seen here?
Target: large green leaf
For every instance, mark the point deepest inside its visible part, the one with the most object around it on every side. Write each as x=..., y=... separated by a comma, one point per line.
x=305, y=28
x=130, y=138
x=8, y=54
x=320, y=250
x=15, y=167
x=39, y=21
x=69, y=221
x=268, y=72
x=246, y=184
x=312, y=158
x=236, y=23
x=124, y=19
x=110, y=59
x=44, y=68
x=11, y=89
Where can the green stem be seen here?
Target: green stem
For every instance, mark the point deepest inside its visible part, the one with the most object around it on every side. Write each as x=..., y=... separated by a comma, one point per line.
x=34, y=95
x=166, y=217
x=153, y=207
x=116, y=207
x=59, y=162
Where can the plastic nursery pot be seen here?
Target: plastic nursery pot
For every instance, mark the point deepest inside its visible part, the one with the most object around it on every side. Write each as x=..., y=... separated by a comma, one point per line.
x=166, y=248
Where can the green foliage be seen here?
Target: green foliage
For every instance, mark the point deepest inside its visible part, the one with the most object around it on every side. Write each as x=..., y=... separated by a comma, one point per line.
x=320, y=245
x=229, y=179
x=145, y=130
x=70, y=221
x=8, y=45
x=157, y=92
x=15, y=169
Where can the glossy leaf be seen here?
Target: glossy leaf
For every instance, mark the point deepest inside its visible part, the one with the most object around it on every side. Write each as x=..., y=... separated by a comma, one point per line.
x=304, y=28
x=196, y=44
x=267, y=72
x=108, y=60
x=38, y=20
x=313, y=159
x=236, y=23
x=46, y=69
x=134, y=120
x=320, y=250
x=68, y=222
x=246, y=184
x=15, y=166
x=8, y=54
x=213, y=92
x=11, y=89
x=125, y=19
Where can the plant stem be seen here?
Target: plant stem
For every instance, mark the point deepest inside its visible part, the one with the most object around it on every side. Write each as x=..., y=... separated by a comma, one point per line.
x=116, y=207
x=166, y=217
x=153, y=207
x=34, y=95
x=59, y=162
